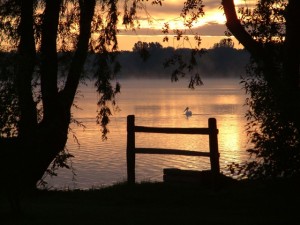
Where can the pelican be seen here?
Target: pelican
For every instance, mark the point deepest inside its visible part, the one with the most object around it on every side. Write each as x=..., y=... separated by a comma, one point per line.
x=187, y=112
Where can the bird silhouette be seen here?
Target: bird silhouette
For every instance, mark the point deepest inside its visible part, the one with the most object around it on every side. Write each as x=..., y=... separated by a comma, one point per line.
x=187, y=111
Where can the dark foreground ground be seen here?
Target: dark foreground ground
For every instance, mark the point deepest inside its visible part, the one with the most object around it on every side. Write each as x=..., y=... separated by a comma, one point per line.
x=243, y=203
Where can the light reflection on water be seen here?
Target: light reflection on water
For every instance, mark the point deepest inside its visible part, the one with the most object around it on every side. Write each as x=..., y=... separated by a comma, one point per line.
x=158, y=103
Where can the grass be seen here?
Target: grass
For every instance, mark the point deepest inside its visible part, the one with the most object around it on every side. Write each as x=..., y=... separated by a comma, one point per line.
x=244, y=203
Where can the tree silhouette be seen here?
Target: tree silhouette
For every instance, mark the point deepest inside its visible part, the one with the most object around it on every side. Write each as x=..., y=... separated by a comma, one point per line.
x=224, y=43
x=48, y=41
x=269, y=32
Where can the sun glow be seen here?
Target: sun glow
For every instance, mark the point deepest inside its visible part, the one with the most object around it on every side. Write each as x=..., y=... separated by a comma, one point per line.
x=151, y=19
x=154, y=17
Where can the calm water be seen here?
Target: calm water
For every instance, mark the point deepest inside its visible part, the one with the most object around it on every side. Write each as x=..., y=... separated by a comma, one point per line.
x=154, y=103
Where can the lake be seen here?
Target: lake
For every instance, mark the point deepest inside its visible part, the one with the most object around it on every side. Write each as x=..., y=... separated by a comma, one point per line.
x=158, y=103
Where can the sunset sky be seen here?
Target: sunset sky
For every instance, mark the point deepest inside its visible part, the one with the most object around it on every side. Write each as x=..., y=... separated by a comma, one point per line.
x=211, y=27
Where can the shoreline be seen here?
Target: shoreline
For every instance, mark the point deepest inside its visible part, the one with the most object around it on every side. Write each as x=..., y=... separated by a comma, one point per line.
x=245, y=202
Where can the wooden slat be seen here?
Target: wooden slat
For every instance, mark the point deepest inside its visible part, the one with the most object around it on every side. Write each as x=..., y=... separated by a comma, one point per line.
x=170, y=152
x=168, y=130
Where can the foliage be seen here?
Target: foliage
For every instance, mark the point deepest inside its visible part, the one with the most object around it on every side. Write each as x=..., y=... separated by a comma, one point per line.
x=104, y=22
x=272, y=126
x=275, y=139
x=49, y=42
x=266, y=21
x=186, y=65
x=224, y=43
x=191, y=12
x=9, y=109
x=144, y=48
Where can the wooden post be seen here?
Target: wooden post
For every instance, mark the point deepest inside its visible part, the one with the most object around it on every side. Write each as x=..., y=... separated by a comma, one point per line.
x=130, y=151
x=213, y=146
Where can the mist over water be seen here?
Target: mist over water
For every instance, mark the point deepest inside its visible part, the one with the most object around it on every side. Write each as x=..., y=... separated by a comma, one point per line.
x=158, y=103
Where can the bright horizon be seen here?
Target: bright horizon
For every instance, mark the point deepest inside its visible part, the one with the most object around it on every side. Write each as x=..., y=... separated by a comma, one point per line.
x=151, y=19
x=126, y=42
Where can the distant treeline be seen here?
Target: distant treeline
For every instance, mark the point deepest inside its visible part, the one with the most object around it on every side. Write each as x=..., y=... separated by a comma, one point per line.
x=215, y=62
x=147, y=60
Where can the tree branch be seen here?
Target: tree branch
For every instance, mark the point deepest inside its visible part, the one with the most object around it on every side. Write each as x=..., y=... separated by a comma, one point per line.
x=86, y=16
x=49, y=63
x=235, y=27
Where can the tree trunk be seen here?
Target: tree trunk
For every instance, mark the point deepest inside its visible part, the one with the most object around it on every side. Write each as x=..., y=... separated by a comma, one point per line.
x=16, y=148
x=24, y=71
x=37, y=145
x=291, y=63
